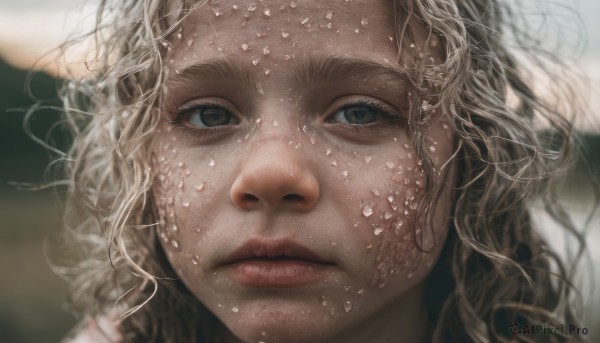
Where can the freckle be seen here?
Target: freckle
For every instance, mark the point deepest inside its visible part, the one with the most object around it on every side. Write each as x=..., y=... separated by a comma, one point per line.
x=211, y=162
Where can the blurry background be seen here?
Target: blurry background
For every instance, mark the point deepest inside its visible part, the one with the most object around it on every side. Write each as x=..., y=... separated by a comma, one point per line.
x=31, y=296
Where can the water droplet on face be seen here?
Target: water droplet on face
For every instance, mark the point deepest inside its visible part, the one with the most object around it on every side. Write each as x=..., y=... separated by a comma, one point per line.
x=356, y=30
x=412, y=45
x=199, y=187
x=194, y=261
x=235, y=7
x=377, y=231
x=217, y=12
x=245, y=47
x=178, y=35
x=304, y=21
x=259, y=88
x=329, y=15
x=375, y=192
x=266, y=50
x=186, y=204
x=364, y=22
x=211, y=162
x=334, y=163
x=170, y=200
x=328, y=151
x=267, y=71
x=347, y=306
x=386, y=60
x=367, y=210
x=445, y=126
x=410, y=275
x=389, y=164
x=267, y=12
x=284, y=34
x=251, y=7
x=180, y=185
x=255, y=61
x=387, y=215
x=368, y=158
x=432, y=148
x=345, y=173
x=235, y=309
x=180, y=164
x=293, y=4
x=323, y=301
x=329, y=25
x=174, y=244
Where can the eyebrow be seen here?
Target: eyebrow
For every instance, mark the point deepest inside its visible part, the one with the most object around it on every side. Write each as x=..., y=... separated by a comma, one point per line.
x=311, y=71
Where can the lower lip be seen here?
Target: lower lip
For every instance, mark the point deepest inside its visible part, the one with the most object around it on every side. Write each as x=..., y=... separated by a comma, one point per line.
x=278, y=273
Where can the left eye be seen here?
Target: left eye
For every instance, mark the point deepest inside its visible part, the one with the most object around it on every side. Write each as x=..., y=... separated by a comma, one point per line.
x=356, y=115
x=211, y=117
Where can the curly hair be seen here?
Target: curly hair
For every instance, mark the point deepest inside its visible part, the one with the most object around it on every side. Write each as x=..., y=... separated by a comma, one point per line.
x=495, y=268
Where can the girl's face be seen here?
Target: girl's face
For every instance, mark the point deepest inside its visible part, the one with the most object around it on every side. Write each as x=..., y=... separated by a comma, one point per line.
x=287, y=184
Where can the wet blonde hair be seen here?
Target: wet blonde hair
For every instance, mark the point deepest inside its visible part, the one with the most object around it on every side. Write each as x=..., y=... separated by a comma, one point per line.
x=495, y=268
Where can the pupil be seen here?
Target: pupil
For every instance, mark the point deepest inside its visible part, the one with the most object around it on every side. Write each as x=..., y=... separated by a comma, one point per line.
x=360, y=115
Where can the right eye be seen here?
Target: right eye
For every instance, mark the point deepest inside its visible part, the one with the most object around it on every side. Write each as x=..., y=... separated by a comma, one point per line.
x=209, y=116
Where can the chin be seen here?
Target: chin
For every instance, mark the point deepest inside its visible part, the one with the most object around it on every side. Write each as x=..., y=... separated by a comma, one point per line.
x=279, y=325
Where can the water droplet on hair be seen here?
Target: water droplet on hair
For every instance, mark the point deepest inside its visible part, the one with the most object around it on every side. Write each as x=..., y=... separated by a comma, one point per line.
x=211, y=162
x=284, y=34
x=304, y=21
x=251, y=7
x=245, y=47
x=367, y=210
x=329, y=15
x=364, y=22
x=267, y=12
x=199, y=187
x=235, y=309
x=347, y=306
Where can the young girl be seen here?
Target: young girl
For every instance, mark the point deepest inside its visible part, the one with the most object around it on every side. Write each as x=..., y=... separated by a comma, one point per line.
x=315, y=171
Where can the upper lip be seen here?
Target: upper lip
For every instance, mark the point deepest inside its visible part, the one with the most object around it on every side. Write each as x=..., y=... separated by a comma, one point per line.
x=260, y=248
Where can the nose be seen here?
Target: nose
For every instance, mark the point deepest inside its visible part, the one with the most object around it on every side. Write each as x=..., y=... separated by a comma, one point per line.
x=276, y=181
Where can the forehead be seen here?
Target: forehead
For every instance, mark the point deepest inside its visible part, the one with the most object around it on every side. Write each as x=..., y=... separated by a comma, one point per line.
x=285, y=30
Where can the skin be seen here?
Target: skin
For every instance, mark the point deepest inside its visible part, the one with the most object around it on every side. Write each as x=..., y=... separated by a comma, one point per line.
x=288, y=166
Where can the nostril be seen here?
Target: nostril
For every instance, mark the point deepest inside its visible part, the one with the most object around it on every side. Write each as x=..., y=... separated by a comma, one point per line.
x=250, y=198
x=295, y=198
